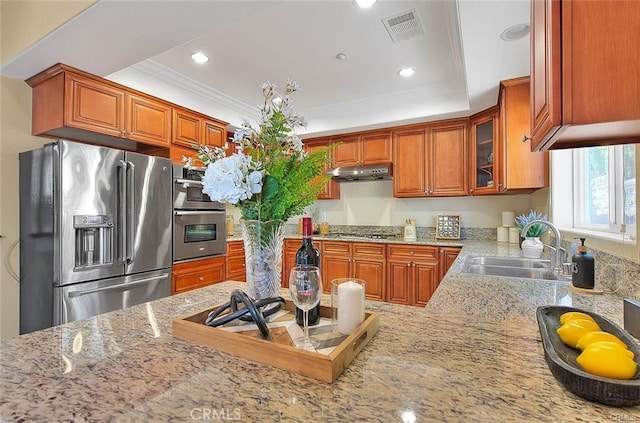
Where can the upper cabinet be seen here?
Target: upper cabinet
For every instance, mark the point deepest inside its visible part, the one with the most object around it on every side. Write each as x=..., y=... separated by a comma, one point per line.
x=72, y=104
x=500, y=161
x=362, y=149
x=191, y=129
x=431, y=160
x=331, y=190
x=585, y=64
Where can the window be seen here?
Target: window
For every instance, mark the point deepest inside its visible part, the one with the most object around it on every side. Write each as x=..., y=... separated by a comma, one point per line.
x=605, y=189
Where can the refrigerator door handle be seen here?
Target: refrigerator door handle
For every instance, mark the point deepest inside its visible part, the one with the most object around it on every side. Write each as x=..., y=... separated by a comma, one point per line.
x=131, y=224
x=120, y=287
x=122, y=227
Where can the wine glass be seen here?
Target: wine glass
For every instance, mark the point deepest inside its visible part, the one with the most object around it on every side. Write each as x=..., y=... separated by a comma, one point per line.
x=305, y=285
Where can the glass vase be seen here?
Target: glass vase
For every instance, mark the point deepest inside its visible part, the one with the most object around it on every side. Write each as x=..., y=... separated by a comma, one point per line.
x=263, y=243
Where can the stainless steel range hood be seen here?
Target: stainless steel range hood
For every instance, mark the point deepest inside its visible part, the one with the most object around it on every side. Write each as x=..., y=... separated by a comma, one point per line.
x=361, y=173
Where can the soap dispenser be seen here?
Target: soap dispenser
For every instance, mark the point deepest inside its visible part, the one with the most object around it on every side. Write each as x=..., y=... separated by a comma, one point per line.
x=583, y=274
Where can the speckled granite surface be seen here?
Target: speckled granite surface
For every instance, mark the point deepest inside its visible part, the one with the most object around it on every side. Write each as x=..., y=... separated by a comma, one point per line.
x=472, y=355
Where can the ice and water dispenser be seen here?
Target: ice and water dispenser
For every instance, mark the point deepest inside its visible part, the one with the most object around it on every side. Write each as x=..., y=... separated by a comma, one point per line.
x=94, y=237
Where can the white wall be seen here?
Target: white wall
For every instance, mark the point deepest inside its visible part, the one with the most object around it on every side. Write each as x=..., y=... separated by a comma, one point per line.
x=372, y=203
x=15, y=136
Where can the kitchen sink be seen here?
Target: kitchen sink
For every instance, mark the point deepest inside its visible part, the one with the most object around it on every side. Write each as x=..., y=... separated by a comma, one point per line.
x=512, y=272
x=509, y=261
x=511, y=267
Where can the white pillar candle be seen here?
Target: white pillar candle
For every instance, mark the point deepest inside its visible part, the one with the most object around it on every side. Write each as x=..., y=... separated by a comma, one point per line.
x=508, y=218
x=350, y=306
x=514, y=235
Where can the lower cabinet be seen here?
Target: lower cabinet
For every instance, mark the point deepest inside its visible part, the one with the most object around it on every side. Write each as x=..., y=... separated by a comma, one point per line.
x=412, y=274
x=362, y=260
x=447, y=256
x=235, y=270
x=197, y=274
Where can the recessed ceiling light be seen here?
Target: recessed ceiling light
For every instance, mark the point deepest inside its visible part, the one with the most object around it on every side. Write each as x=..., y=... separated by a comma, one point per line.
x=515, y=32
x=406, y=72
x=364, y=3
x=341, y=56
x=199, y=58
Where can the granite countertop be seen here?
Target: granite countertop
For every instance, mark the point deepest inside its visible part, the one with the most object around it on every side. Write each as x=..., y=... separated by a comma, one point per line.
x=473, y=354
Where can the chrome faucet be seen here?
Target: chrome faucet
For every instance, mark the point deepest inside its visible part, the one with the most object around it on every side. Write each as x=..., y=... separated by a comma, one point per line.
x=556, y=257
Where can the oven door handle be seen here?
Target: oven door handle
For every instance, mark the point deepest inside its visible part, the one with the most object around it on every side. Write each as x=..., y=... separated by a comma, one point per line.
x=196, y=212
x=189, y=183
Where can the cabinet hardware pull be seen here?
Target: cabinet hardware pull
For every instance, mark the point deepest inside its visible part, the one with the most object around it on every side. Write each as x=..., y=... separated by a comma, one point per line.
x=201, y=278
x=525, y=138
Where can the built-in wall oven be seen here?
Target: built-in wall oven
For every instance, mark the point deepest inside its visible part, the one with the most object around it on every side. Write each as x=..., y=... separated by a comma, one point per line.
x=198, y=222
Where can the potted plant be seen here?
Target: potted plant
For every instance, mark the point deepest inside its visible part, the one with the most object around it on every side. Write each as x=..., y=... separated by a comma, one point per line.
x=530, y=242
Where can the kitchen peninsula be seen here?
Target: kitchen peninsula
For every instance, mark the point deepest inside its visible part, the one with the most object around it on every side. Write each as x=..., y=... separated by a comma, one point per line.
x=472, y=354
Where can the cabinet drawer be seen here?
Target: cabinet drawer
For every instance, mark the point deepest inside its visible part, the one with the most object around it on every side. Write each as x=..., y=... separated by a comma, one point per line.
x=414, y=252
x=368, y=249
x=336, y=247
x=292, y=245
x=188, y=281
x=235, y=247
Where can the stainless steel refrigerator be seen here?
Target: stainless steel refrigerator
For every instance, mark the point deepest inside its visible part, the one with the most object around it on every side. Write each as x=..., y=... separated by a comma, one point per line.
x=95, y=232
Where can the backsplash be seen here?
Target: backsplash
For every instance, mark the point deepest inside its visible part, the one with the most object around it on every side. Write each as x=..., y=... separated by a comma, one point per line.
x=485, y=234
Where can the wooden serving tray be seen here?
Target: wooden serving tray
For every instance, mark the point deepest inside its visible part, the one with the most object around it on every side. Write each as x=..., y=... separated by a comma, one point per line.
x=562, y=361
x=280, y=351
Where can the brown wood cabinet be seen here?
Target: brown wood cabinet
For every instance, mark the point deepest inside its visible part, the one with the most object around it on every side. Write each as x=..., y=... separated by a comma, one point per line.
x=500, y=161
x=431, y=160
x=191, y=129
x=585, y=64
x=363, y=260
x=362, y=149
x=413, y=274
x=235, y=264
x=76, y=105
x=197, y=274
x=331, y=190
x=447, y=256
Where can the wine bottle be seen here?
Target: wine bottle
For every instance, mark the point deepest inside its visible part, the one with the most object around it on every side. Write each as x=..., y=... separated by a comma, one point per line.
x=308, y=254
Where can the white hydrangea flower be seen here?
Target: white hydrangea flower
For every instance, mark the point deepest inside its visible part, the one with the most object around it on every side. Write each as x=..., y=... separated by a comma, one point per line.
x=229, y=180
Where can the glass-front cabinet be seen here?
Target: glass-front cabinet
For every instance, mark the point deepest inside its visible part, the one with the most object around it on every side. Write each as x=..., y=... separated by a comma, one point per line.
x=484, y=154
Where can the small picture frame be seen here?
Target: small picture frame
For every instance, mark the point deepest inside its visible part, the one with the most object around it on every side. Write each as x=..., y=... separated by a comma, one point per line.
x=448, y=227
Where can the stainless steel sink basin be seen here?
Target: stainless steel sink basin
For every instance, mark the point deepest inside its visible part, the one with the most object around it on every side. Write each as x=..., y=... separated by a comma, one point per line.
x=512, y=272
x=509, y=261
x=510, y=267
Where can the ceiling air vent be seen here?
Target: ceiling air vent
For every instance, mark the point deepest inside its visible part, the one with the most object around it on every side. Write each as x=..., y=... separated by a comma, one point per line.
x=404, y=25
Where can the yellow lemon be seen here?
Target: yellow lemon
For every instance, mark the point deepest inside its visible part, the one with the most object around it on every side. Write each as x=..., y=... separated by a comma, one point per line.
x=611, y=344
x=572, y=315
x=607, y=360
x=597, y=336
x=573, y=330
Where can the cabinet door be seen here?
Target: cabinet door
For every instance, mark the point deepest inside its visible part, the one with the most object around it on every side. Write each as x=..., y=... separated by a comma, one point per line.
x=94, y=106
x=399, y=280
x=409, y=172
x=447, y=256
x=545, y=70
x=519, y=167
x=186, y=128
x=346, y=153
x=235, y=261
x=334, y=267
x=484, y=152
x=448, y=160
x=376, y=148
x=426, y=281
x=148, y=121
x=372, y=271
x=213, y=134
x=331, y=190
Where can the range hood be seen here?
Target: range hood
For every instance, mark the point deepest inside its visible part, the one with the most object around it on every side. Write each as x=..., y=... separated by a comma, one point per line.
x=361, y=173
